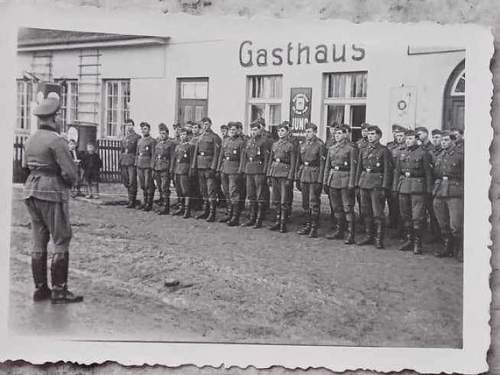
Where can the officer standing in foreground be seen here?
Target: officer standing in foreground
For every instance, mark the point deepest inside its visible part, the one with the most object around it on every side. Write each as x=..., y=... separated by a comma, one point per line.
x=254, y=164
x=448, y=196
x=161, y=164
x=46, y=195
x=374, y=178
x=229, y=169
x=181, y=170
x=310, y=168
x=145, y=152
x=128, y=152
x=339, y=183
x=207, y=150
x=281, y=173
x=413, y=182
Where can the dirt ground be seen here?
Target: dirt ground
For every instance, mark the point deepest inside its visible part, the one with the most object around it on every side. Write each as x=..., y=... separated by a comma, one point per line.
x=237, y=284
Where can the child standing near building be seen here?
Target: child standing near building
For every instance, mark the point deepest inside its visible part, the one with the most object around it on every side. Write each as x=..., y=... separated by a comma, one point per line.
x=91, y=164
x=76, y=156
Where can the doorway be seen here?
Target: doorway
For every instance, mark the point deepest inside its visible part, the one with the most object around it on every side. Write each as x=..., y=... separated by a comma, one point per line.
x=454, y=99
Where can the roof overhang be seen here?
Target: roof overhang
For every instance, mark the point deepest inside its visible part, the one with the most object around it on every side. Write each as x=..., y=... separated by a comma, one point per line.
x=146, y=41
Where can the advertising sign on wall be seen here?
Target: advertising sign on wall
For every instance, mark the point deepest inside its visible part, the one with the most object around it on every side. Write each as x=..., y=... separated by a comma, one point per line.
x=300, y=109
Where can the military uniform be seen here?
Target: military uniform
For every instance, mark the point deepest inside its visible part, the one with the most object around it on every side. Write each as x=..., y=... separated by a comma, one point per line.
x=145, y=152
x=181, y=169
x=281, y=171
x=254, y=163
x=374, y=178
x=231, y=178
x=196, y=198
x=310, y=168
x=413, y=182
x=161, y=164
x=339, y=181
x=393, y=201
x=205, y=163
x=128, y=152
x=361, y=144
x=448, y=198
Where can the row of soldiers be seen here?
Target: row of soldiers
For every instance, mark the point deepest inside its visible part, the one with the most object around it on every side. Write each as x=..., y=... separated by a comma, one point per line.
x=415, y=176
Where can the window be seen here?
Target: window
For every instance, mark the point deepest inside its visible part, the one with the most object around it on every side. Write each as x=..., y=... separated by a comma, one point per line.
x=194, y=90
x=69, y=102
x=264, y=98
x=192, y=103
x=24, y=99
x=117, y=98
x=345, y=99
x=458, y=88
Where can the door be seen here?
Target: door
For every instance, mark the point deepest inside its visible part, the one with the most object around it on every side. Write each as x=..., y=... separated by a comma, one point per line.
x=454, y=99
x=192, y=103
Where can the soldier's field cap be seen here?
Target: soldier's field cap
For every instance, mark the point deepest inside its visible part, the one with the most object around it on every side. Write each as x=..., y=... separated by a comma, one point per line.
x=396, y=128
x=48, y=104
x=162, y=127
x=232, y=124
x=437, y=132
x=284, y=125
x=365, y=125
x=185, y=130
x=239, y=124
x=346, y=127
x=446, y=133
x=176, y=125
x=410, y=132
x=374, y=128
x=312, y=126
x=333, y=125
x=421, y=129
x=145, y=124
x=223, y=126
x=255, y=124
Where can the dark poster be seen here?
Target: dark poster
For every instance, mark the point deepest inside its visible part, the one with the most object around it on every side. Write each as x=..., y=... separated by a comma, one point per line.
x=300, y=109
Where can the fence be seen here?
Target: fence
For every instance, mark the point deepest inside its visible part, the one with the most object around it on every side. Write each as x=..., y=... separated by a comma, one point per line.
x=109, y=152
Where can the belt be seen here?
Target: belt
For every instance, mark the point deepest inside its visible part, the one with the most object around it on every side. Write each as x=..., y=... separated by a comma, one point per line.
x=231, y=159
x=159, y=157
x=43, y=172
x=148, y=154
x=370, y=170
x=445, y=178
x=278, y=160
x=203, y=153
x=311, y=164
x=250, y=158
x=411, y=175
x=341, y=168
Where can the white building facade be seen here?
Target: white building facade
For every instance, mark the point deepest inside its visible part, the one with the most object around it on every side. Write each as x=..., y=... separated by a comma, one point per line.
x=110, y=78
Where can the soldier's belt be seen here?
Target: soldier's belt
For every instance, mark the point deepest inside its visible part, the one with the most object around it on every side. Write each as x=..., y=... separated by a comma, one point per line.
x=250, y=158
x=278, y=160
x=160, y=157
x=229, y=158
x=412, y=175
x=373, y=170
x=203, y=153
x=446, y=178
x=148, y=154
x=43, y=171
x=341, y=168
x=311, y=164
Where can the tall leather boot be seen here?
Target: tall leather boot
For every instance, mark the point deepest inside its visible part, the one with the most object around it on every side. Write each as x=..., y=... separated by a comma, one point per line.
x=229, y=213
x=313, y=233
x=212, y=212
x=187, y=208
x=59, y=272
x=205, y=212
x=179, y=209
x=417, y=244
x=379, y=234
x=165, y=205
x=277, y=221
x=283, y=220
x=260, y=215
x=408, y=244
x=306, y=227
x=349, y=237
x=131, y=201
x=447, y=250
x=339, y=231
x=39, y=270
x=235, y=218
x=149, y=202
x=252, y=217
x=369, y=237
x=146, y=201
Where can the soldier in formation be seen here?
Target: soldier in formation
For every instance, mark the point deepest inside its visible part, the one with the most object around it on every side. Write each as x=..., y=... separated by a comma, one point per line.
x=128, y=153
x=144, y=157
x=161, y=164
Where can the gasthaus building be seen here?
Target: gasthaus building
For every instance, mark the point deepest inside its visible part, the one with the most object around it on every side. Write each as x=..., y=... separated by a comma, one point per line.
x=108, y=78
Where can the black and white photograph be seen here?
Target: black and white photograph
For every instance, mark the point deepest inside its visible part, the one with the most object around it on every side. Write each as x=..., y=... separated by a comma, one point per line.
x=228, y=181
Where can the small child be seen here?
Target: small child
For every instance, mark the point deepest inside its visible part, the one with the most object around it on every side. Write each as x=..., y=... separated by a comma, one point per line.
x=76, y=156
x=91, y=164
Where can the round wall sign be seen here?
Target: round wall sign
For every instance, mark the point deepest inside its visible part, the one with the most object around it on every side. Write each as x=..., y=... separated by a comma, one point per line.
x=402, y=105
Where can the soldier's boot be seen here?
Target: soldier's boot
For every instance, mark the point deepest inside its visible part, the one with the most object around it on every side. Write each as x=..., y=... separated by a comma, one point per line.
x=369, y=236
x=212, y=212
x=59, y=272
x=313, y=233
x=131, y=200
x=235, y=218
x=379, y=234
x=187, y=208
x=205, y=212
x=306, y=227
x=408, y=244
x=417, y=244
x=447, y=250
x=180, y=208
x=260, y=216
x=145, y=204
x=252, y=218
x=339, y=231
x=349, y=236
x=229, y=213
x=283, y=221
x=39, y=270
x=277, y=221
x=149, y=202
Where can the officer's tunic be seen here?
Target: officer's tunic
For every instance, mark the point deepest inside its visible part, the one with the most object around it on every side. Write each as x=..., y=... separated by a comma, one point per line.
x=46, y=191
x=413, y=182
x=310, y=169
x=161, y=163
x=374, y=177
x=448, y=190
x=128, y=152
x=181, y=168
x=207, y=150
x=281, y=170
x=340, y=176
x=145, y=152
x=393, y=201
x=254, y=163
x=229, y=167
